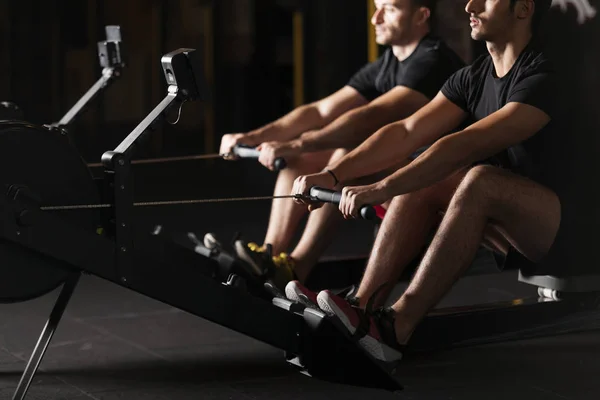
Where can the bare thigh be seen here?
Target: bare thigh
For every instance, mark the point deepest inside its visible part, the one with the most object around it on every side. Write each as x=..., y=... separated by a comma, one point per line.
x=526, y=213
x=439, y=195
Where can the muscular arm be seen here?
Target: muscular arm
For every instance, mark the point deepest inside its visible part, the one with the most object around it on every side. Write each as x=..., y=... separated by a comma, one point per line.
x=309, y=117
x=511, y=125
x=399, y=140
x=352, y=128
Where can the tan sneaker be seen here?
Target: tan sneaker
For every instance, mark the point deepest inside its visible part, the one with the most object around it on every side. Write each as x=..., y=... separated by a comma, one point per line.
x=283, y=271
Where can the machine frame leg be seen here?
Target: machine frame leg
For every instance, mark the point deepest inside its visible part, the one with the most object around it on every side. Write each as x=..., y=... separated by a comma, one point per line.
x=46, y=336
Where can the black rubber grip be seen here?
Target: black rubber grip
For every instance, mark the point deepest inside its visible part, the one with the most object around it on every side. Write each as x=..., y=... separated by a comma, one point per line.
x=331, y=196
x=242, y=151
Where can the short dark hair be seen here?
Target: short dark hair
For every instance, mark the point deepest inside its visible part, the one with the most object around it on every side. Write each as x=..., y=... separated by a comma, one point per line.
x=428, y=4
x=541, y=9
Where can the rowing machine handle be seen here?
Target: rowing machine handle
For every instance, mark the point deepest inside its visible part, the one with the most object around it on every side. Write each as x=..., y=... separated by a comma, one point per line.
x=243, y=151
x=331, y=196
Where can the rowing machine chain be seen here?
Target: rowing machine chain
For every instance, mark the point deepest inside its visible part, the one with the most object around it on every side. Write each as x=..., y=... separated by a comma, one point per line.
x=172, y=202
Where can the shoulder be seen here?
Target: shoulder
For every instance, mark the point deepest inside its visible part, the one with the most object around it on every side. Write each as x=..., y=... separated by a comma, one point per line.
x=535, y=70
x=535, y=61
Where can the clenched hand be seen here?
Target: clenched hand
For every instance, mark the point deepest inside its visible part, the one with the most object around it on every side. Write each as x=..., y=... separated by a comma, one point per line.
x=355, y=197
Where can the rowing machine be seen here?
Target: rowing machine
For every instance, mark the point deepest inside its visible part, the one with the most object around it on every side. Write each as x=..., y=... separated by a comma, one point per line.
x=44, y=247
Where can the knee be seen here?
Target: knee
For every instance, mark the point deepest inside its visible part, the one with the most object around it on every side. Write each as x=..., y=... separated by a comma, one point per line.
x=477, y=185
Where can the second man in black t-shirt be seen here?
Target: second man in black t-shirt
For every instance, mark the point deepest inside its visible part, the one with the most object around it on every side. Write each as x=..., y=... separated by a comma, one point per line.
x=405, y=78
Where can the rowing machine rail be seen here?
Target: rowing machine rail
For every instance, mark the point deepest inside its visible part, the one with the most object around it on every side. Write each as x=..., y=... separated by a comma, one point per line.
x=110, y=54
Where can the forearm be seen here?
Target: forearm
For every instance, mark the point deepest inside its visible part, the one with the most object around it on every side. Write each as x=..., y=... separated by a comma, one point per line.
x=386, y=148
x=290, y=126
x=348, y=131
x=441, y=160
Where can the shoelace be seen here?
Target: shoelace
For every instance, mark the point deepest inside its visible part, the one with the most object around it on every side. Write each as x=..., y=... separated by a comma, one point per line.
x=256, y=248
x=282, y=260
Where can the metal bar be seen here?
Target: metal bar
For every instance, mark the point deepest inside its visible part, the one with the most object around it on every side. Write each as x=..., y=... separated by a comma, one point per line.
x=46, y=336
x=107, y=75
x=166, y=159
x=125, y=147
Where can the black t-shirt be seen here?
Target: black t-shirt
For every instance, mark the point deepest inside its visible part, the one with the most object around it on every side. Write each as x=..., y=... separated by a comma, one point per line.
x=532, y=80
x=425, y=70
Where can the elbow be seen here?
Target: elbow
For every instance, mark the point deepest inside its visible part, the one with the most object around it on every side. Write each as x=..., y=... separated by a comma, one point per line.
x=398, y=129
x=397, y=136
x=323, y=110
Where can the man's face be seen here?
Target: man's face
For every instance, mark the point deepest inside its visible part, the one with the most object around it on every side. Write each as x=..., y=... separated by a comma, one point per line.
x=490, y=19
x=392, y=21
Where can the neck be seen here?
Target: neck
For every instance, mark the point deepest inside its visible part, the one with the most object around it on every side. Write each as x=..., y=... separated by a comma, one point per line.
x=404, y=50
x=506, y=51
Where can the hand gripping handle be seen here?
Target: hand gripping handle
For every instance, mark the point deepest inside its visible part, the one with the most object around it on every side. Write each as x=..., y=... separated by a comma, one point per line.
x=331, y=196
x=242, y=151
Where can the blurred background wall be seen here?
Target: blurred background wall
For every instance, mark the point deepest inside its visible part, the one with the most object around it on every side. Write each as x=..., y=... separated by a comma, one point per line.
x=251, y=50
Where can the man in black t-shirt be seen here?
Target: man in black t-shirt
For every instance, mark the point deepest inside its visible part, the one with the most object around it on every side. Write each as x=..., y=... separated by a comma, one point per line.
x=405, y=78
x=501, y=177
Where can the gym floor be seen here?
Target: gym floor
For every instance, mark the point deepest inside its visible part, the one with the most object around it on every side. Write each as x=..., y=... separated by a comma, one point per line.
x=115, y=344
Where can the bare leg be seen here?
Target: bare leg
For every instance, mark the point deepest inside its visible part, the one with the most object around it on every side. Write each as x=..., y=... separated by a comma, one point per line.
x=322, y=223
x=526, y=213
x=317, y=234
x=404, y=232
x=286, y=215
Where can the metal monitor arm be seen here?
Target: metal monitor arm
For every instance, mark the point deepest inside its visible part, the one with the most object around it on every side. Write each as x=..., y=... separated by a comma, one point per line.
x=110, y=54
x=182, y=70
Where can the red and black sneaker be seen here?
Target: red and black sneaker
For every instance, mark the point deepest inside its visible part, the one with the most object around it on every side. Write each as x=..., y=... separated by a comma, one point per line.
x=373, y=331
x=297, y=292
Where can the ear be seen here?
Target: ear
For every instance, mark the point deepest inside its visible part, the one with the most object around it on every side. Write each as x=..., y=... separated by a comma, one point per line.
x=525, y=9
x=422, y=15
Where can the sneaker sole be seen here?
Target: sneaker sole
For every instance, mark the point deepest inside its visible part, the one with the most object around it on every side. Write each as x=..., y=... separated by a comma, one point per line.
x=331, y=309
x=294, y=294
x=375, y=348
